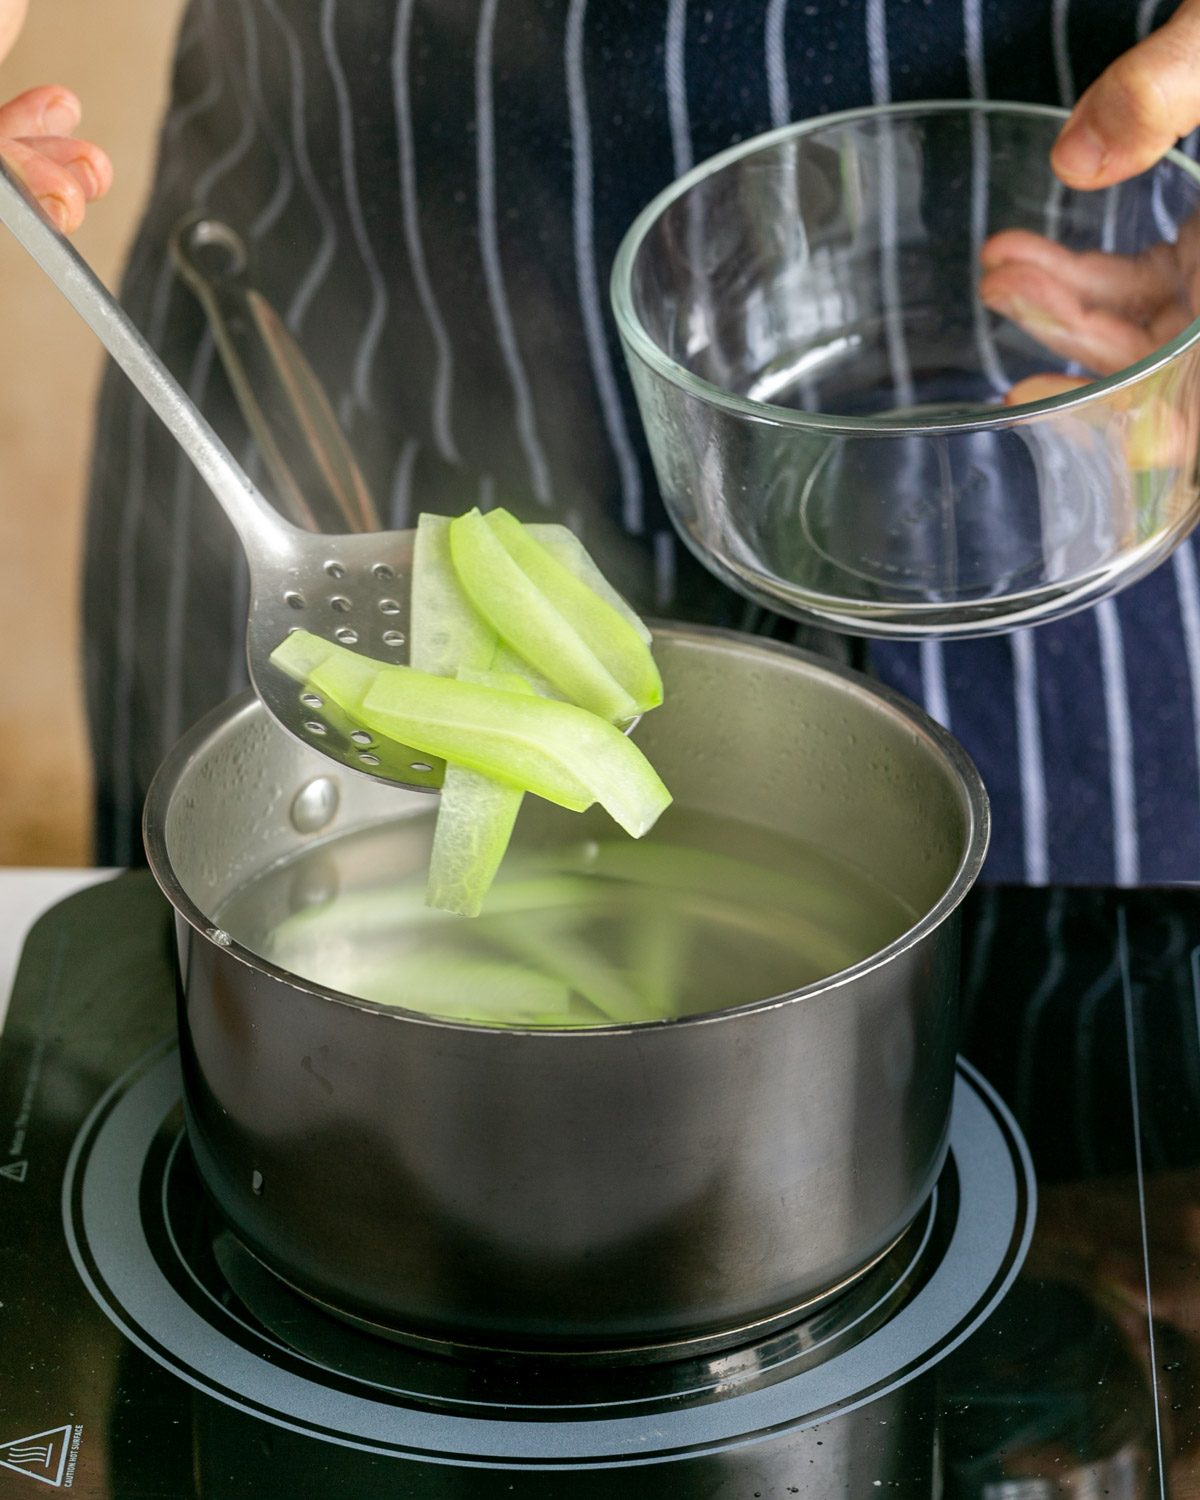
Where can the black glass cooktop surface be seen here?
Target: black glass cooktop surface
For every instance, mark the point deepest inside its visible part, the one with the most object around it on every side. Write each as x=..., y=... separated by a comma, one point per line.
x=1033, y=1334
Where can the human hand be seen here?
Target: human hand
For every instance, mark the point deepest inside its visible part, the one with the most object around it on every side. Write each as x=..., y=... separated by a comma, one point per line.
x=37, y=142
x=1103, y=311
x=1136, y=109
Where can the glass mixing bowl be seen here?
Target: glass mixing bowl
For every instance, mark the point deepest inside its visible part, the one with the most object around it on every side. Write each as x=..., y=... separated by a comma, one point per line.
x=823, y=382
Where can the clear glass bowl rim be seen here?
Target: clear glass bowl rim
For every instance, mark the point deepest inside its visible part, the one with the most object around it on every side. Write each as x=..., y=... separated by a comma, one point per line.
x=641, y=344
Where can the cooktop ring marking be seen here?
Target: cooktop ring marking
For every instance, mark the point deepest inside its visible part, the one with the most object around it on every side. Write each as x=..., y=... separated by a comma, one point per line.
x=105, y=1235
x=266, y=1336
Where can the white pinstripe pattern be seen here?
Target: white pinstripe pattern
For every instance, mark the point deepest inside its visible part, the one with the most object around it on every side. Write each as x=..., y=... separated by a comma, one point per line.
x=1031, y=762
x=490, y=249
x=933, y=669
x=1120, y=743
x=676, y=82
x=933, y=682
x=266, y=218
x=443, y=378
x=1060, y=44
x=364, y=355
x=1030, y=753
x=271, y=211
x=980, y=148
x=780, y=106
x=187, y=485
x=128, y=526
x=881, y=93
x=225, y=163
x=129, y=519
x=1145, y=16
x=1122, y=773
x=1052, y=212
x=1187, y=588
x=585, y=273
x=1162, y=220
x=310, y=282
x=1066, y=96
x=1122, y=782
x=775, y=53
x=189, y=39
x=664, y=569
x=400, y=500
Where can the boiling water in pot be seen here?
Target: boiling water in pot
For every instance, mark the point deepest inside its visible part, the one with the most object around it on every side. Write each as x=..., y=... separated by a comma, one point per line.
x=705, y=913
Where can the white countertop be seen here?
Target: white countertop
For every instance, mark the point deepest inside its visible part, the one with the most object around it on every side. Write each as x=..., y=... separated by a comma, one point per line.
x=24, y=896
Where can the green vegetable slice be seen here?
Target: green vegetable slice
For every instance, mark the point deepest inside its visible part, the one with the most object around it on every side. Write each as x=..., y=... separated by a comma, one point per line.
x=305, y=656
x=563, y=545
x=463, y=987
x=657, y=950
x=733, y=890
x=531, y=623
x=476, y=816
x=474, y=824
x=563, y=753
x=445, y=632
x=349, y=920
x=563, y=630
x=576, y=963
x=619, y=645
x=300, y=656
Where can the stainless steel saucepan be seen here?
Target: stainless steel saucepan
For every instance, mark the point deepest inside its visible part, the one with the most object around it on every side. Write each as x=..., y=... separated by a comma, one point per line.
x=623, y=1188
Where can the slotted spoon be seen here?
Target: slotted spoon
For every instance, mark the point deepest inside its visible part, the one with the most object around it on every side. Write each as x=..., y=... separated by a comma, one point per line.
x=352, y=588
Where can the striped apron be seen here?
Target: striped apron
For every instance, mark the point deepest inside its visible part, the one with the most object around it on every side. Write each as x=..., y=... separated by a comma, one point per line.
x=433, y=192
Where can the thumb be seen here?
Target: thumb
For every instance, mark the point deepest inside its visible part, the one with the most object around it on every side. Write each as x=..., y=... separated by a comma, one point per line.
x=1137, y=109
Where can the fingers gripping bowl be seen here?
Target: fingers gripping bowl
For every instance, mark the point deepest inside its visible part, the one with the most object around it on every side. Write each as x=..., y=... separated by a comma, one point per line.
x=607, y=1188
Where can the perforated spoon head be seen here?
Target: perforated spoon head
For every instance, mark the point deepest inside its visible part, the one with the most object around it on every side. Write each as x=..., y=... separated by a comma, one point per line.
x=354, y=590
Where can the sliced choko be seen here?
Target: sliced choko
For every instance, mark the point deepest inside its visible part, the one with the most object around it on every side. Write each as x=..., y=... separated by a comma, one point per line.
x=556, y=750
x=445, y=632
x=561, y=752
x=620, y=645
x=474, y=824
x=532, y=623
x=563, y=545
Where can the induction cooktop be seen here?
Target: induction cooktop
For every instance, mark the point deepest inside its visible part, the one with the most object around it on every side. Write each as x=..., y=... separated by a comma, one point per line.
x=145, y=1353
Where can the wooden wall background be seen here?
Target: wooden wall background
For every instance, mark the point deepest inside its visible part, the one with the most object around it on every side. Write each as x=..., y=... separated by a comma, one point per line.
x=115, y=55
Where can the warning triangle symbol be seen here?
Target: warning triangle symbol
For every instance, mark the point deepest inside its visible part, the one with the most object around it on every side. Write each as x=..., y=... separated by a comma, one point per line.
x=41, y=1456
x=15, y=1171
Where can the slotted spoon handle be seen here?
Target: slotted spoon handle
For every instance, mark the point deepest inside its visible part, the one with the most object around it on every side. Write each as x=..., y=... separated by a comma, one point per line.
x=258, y=525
